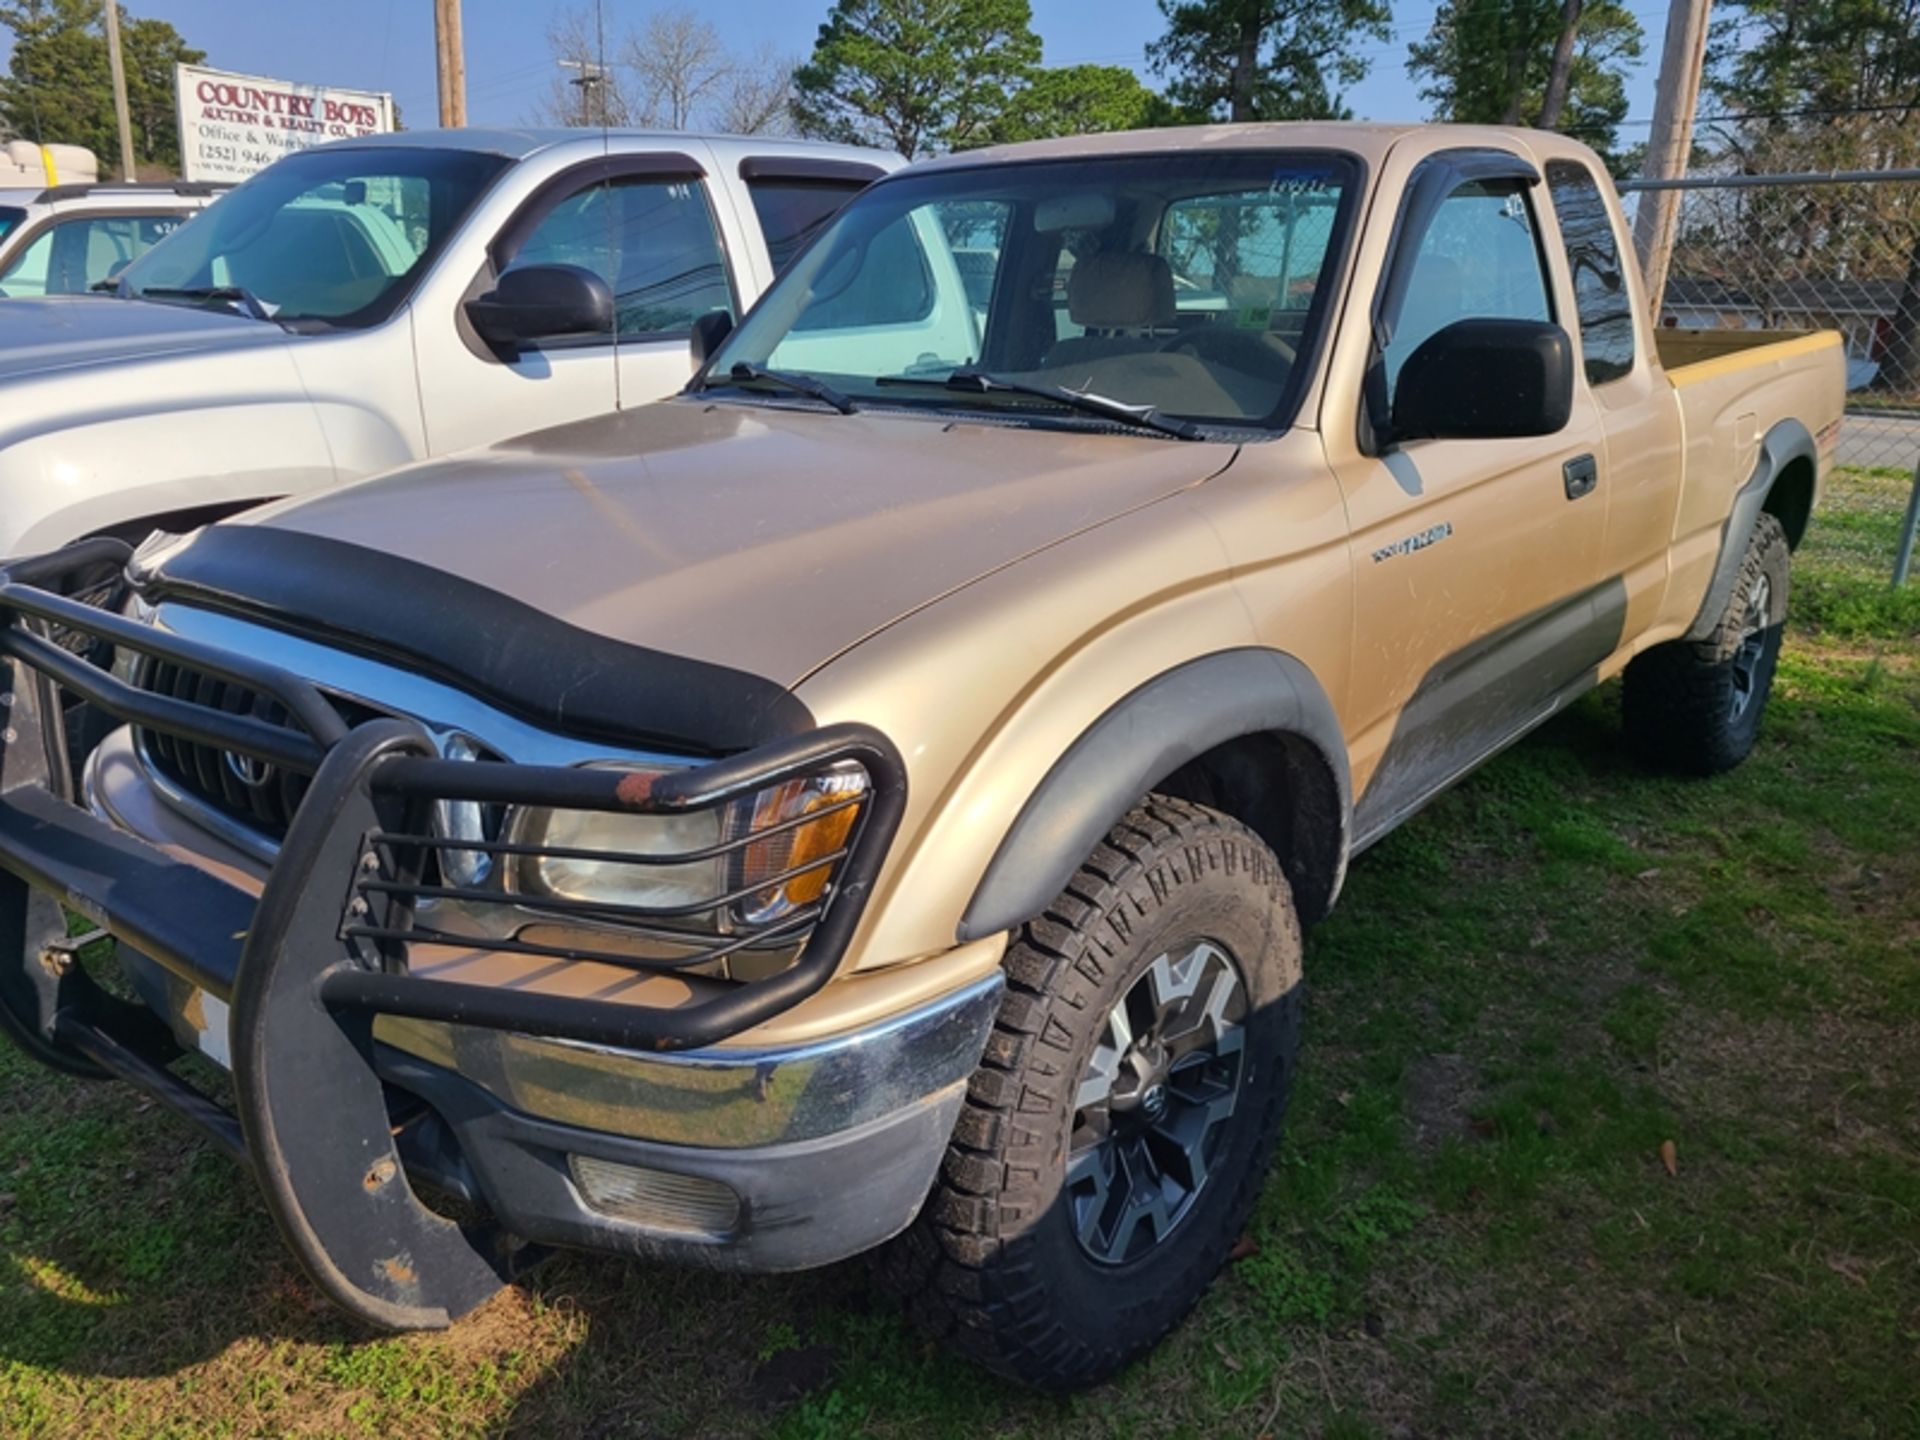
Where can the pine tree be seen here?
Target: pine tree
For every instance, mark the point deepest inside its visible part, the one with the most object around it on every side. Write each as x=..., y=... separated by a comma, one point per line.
x=58, y=87
x=1266, y=59
x=1492, y=62
x=916, y=75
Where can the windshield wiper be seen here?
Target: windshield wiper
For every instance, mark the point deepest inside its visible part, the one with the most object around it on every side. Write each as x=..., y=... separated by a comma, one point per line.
x=979, y=382
x=232, y=294
x=744, y=372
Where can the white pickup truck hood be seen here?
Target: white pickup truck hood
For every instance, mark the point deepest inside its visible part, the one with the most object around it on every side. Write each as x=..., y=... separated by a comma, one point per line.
x=111, y=409
x=41, y=336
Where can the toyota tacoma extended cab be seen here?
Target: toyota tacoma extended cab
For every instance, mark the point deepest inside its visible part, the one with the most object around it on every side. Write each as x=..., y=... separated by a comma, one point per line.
x=873, y=799
x=376, y=301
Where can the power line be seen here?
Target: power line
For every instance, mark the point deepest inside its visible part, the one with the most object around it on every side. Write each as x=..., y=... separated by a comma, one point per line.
x=1811, y=112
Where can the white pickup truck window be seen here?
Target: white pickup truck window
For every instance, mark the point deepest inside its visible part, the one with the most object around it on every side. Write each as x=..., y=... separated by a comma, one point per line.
x=331, y=237
x=69, y=257
x=652, y=241
x=791, y=212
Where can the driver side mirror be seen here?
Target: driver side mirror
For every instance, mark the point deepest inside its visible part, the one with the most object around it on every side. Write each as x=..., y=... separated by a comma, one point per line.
x=708, y=331
x=1485, y=380
x=542, y=302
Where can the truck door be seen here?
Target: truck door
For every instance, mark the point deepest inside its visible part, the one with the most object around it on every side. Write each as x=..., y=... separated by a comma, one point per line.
x=1643, y=460
x=1475, y=561
x=644, y=224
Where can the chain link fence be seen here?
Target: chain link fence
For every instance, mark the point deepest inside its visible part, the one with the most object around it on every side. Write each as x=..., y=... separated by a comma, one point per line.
x=1834, y=251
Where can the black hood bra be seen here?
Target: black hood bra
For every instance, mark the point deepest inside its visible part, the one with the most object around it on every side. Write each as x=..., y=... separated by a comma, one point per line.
x=472, y=638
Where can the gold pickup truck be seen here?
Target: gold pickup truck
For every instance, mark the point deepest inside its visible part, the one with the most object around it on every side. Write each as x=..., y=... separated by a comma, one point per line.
x=874, y=798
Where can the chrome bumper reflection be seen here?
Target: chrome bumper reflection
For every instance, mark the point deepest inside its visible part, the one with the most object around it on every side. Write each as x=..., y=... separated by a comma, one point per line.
x=726, y=1098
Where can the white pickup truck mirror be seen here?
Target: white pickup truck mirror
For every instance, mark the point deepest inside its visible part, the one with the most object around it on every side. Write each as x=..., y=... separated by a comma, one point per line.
x=542, y=302
x=1485, y=379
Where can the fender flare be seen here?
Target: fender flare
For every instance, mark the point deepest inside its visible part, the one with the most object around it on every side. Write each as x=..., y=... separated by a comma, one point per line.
x=1788, y=441
x=1142, y=739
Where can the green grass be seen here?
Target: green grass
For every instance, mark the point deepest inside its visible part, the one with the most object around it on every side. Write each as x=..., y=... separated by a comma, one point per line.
x=1563, y=964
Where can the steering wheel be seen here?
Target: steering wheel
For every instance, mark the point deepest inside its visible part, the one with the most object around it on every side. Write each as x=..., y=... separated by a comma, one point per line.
x=1250, y=351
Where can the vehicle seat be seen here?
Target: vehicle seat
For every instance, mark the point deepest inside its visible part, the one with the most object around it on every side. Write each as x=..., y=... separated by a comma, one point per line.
x=1119, y=300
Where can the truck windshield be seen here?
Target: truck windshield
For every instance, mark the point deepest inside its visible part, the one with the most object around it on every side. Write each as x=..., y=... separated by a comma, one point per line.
x=1189, y=284
x=333, y=237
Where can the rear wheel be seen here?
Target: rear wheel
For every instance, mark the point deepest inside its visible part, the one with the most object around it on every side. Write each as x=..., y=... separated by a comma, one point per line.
x=1114, y=1139
x=1697, y=706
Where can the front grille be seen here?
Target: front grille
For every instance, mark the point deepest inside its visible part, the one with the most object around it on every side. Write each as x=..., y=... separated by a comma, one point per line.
x=258, y=794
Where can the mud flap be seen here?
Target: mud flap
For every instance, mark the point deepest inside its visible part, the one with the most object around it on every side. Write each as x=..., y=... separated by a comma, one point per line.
x=313, y=1112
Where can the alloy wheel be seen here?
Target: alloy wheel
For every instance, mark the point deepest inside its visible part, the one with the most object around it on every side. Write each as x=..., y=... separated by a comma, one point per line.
x=1753, y=645
x=1154, y=1101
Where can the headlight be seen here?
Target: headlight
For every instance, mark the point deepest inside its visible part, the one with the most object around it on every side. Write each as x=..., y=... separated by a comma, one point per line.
x=774, y=853
x=599, y=874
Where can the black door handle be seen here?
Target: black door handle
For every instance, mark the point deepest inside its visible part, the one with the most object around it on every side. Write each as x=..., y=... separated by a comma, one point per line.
x=1581, y=474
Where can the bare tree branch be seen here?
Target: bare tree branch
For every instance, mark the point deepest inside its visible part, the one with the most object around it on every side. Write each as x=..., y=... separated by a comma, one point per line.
x=680, y=62
x=757, y=96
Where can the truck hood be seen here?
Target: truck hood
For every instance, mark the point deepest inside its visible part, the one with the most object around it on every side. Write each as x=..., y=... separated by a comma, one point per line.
x=762, y=538
x=39, y=336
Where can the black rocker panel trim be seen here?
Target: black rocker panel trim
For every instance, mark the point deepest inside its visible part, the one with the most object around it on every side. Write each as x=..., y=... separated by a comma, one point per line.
x=466, y=635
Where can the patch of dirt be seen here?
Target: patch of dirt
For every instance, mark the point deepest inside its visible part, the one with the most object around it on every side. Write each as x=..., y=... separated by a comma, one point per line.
x=1842, y=1081
x=1440, y=1091
x=790, y=1376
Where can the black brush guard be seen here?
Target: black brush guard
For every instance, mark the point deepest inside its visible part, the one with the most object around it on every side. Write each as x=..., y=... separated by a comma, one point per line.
x=324, y=950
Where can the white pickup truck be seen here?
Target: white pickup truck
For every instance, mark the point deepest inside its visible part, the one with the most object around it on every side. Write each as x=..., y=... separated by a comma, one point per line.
x=361, y=305
x=66, y=239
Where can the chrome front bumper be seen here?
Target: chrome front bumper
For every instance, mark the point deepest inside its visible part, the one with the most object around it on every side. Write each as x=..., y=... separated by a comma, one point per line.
x=721, y=1097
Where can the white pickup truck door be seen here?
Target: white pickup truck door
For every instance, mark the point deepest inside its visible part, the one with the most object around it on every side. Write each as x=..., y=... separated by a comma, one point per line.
x=647, y=225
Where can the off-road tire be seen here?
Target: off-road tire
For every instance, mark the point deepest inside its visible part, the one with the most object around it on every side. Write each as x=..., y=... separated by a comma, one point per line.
x=1678, y=700
x=993, y=1267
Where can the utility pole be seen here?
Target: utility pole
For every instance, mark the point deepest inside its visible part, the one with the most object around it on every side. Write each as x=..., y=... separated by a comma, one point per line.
x=1657, y=212
x=451, y=58
x=590, y=76
x=118, y=69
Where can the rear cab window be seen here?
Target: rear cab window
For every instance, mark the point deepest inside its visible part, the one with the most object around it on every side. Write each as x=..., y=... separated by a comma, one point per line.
x=1249, y=260
x=1599, y=281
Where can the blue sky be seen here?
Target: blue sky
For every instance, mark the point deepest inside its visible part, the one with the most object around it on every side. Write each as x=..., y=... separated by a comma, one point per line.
x=388, y=44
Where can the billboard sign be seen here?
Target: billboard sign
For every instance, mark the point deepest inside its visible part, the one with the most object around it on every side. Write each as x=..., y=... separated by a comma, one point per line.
x=232, y=126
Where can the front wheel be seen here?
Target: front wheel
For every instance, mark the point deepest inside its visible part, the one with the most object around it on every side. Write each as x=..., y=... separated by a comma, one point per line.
x=1114, y=1139
x=1696, y=706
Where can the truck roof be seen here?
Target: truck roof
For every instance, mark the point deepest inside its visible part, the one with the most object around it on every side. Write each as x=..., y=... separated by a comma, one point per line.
x=109, y=191
x=1367, y=139
x=519, y=143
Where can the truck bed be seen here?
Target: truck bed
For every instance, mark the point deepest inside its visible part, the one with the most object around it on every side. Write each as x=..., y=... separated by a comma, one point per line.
x=1733, y=387
x=1683, y=350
